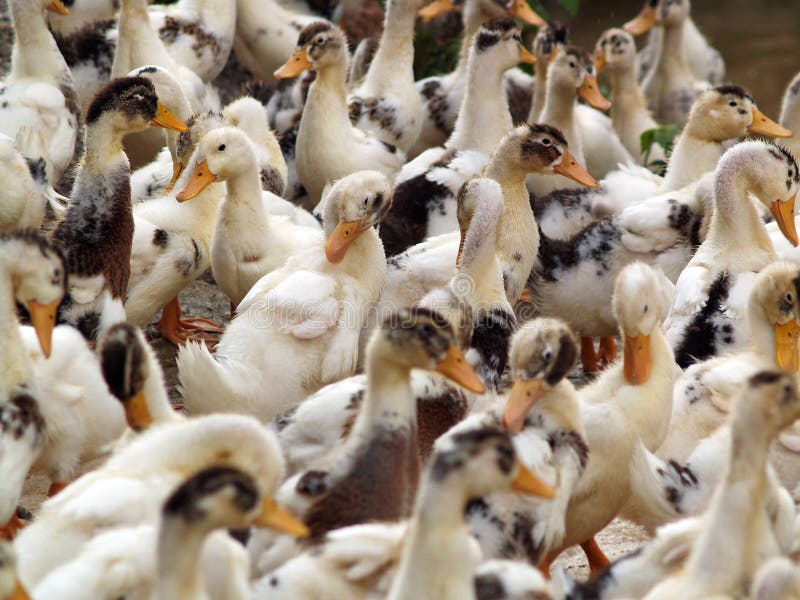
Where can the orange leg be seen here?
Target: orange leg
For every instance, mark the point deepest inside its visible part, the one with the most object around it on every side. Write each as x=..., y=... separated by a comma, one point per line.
x=176, y=406
x=588, y=356
x=526, y=296
x=597, y=558
x=9, y=531
x=608, y=350
x=56, y=487
x=178, y=330
x=544, y=564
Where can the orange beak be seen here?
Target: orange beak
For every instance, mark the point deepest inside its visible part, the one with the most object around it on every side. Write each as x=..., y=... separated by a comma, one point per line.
x=164, y=118
x=643, y=22
x=527, y=483
x=274, y=517
x=57, y=6
x=43, y=319
x=201, y=178
x=599, y=60
x=19, y=593
x=763, y=125
x=523, y=11
x=455, y=366
x=177, y=169
x=297, y=63
x=339, y=241
x=137, y=413
x=786, y=350
x=783, y=211
x=524, y=394
x=569, y=167
x=525, y=56
x=590, y=92
x=434, y=9
x=637, y=359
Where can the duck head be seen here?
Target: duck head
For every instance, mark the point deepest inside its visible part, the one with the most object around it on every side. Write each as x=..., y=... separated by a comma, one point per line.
x=774, y=312
x=450, y=304
x=658, y=12
x=542, y=352
x=501, y=42
x=319, y=44
x=640, y=302
x=768, y=403
x=549, y=40
x=519, y=9
x=615, y=51
x=573, y=69
x=353, y=205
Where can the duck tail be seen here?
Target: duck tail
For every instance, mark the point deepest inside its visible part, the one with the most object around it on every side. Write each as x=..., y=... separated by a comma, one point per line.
x=203, y=381
x=657, y=488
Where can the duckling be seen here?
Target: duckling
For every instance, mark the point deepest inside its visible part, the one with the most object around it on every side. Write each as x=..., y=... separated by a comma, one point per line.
x=442, y=95
x=615, y=53
x=373, y=475
x=703, y=60
x=735, y=531
x=38, y=92
x=328, y=146
x=430, y=556
x=711, y=291
x=790, y=114
x=10, y=586
x=300, y=349
x=97, y=229
x=426, y=187
x=628, y=402
x=248, y=242
x=386, y=103
x=670, y=86
x=131, y=487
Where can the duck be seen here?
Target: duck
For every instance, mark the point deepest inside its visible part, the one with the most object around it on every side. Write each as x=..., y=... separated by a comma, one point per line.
x=542, y=412
x=615, y=53
x=384, y=434
x=527, y=148
x=98, y=263
x=38, y=92
x=570, y=75
x=670, y=85
x=302, y=350
x=386, y=102
x=430, y=555
x=130, y=488
x=790, y=114
x=711, y=291
x=143, y=560
x=737, y=512
x=248, y=242
x=442, y=95
x=10, y=587
x=628, y=402
x=705, y=62
x=426, y=187
x=328, y=146
x=551, y=37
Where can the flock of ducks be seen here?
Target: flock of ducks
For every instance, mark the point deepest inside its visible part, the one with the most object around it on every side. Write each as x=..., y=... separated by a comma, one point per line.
x=408, y=401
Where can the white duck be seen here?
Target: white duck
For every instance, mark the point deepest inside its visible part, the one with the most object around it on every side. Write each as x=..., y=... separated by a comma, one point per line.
x=328, y=146
x=38, y=93
x=305, y=349
x=736, y=536
x=707, y=315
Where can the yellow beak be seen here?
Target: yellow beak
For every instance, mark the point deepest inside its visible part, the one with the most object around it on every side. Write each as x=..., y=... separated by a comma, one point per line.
x=569, y=167
x=643, y=22
x=43, y=318
x=590, y=92
x=164, y=118
x=524, y=394
x=297, y=63
x=201, y=178
x=339, y=241
x=637, y=359
x=525, y=56
x=763, y=125
x=783, y=211
x=137, y=413
x=434, y=9
x=523, y=11
x=599, y=60
x=177, y=169
x=56, y=6
x=527, y=483
x=455, y=366
x=274, y=517
x=786, y=350
x=19, y=593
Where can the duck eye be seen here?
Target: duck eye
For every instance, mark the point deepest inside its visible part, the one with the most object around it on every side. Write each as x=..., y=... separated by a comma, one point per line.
x=546, y=141
x=732, y=103
x=221, y=147
x=320, y=41
x=572, y=64
x=789, y=297
x=547, y=354
x=366, y=200
x=646, y=308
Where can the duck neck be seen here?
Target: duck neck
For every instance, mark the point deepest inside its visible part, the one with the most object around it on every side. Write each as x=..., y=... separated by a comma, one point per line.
x=672, y=45
x=627, y=97
x=539, y=91
x=394, y=59
x=103, y=147
x=389, y=396
x=137, y=42
x=472, y=19
x=559, y=112
x=35, y=53
x=155, y=391
x=483, y=118
x=326, y=107
x=14, y=366
x=692, y=157
x=179, y=547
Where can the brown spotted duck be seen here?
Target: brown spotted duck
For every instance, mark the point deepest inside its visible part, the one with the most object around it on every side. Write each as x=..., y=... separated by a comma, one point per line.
x=96, y=231
x=426, y=187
